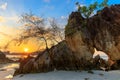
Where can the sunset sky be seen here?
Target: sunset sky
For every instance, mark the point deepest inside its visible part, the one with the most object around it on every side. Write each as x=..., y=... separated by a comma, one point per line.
x=10, y=11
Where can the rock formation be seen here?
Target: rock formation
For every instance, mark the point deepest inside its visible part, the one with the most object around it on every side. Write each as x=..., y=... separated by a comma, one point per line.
x=104, y=28
x=4, y=59
x=101, y=31
x=77, y=37
x=59, y=57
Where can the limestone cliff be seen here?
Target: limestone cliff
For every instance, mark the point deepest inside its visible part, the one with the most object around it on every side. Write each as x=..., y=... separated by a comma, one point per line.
x=101, y=31
x=105, y=31
x=77, y=36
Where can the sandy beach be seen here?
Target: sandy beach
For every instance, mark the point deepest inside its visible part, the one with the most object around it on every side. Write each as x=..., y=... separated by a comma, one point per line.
x=7, y=71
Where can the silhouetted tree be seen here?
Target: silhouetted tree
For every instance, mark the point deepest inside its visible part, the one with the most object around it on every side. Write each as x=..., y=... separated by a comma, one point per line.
x=34, y=27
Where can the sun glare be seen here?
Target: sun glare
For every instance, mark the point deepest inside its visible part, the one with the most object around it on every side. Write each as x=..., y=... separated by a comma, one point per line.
x=26, y=49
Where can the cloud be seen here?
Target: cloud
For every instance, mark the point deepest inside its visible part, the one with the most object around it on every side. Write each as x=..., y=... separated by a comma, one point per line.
x=2, y=19
x=7, y=34
x=47, y=1
x=13, y=18
x=64, y=17
x=4, y=6
x=9, y=31
x=6, y=19
x=9, y=25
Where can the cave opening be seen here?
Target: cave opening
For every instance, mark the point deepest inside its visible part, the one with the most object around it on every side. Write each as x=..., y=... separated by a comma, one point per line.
x=102, y=54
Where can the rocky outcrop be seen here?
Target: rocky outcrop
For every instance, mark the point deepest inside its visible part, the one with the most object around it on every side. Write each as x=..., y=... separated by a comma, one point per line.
x=59, y=57
x=101, y=31
x=77, y=37
x=4, y=59
x=105, y=31
x=50, y=59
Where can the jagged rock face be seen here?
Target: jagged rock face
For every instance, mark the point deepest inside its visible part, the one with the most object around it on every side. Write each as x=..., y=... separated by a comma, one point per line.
x=105, y=31
x=59, y=57
x=45, y=61
x=79, y=47
x=76, y=37
x=101, y=31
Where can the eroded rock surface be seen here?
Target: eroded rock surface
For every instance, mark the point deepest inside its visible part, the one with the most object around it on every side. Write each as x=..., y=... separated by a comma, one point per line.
x=59, y=57
x=101, y=31
x=105, y=31
x=77, y=37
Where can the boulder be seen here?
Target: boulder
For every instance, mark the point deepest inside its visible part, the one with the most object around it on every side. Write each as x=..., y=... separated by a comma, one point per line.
x=59, y=57
x=4, y=59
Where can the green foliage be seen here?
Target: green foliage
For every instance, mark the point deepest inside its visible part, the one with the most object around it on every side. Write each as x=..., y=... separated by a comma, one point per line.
x=104, y=4
x=87, y=11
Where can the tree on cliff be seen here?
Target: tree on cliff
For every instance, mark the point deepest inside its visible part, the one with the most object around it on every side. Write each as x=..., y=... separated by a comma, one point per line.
x=87, y=11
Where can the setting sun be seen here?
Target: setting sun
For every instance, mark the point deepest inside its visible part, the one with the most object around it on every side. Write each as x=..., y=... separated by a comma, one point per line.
x=26, y=49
